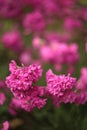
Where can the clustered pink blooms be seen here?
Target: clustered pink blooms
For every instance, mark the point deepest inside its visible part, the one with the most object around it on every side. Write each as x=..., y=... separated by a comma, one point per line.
x=57, y=53
x=22, y=79
x=60, y=88
x=22, y=84
x=27, y=95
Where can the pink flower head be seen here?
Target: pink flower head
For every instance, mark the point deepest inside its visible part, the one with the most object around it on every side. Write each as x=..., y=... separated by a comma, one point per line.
x=72, y=54
x=60, y=87
x=5, y=125
x=12, y=40
x=34, y=22
x=2, y=98
x=59, y=54
x=21, y=78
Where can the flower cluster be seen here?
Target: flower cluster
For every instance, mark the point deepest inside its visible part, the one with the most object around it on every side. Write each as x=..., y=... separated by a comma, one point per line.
x=12, y=40
x=57, y=53
x=22, y=84
x=60, y=88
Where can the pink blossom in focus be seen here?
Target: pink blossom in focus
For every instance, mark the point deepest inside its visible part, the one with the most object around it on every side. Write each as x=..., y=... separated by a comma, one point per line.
x=60, y=87
x=21, y=78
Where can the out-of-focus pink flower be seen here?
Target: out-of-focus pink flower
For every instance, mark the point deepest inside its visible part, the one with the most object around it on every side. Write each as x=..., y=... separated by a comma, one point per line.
x=37, y=42
x=13, y=40
x=5, y=125
x=81, y=98
x=2, y=98
x=82, y=82
x=59, y=87
x=14, y=106
x=9, y=8
x=60, y=53
x=34, y=22
x=25, y=57
x=71, y=24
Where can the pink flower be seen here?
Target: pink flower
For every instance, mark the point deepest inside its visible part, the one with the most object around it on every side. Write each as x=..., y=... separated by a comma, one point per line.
x=60, y=53
x=5, y=125
x=21, y=79
x=34, y=22
x=71, y=24
x=12, y=40
x=25, y=57
x=60, y=87
x=2, y=98
x=82, y=82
